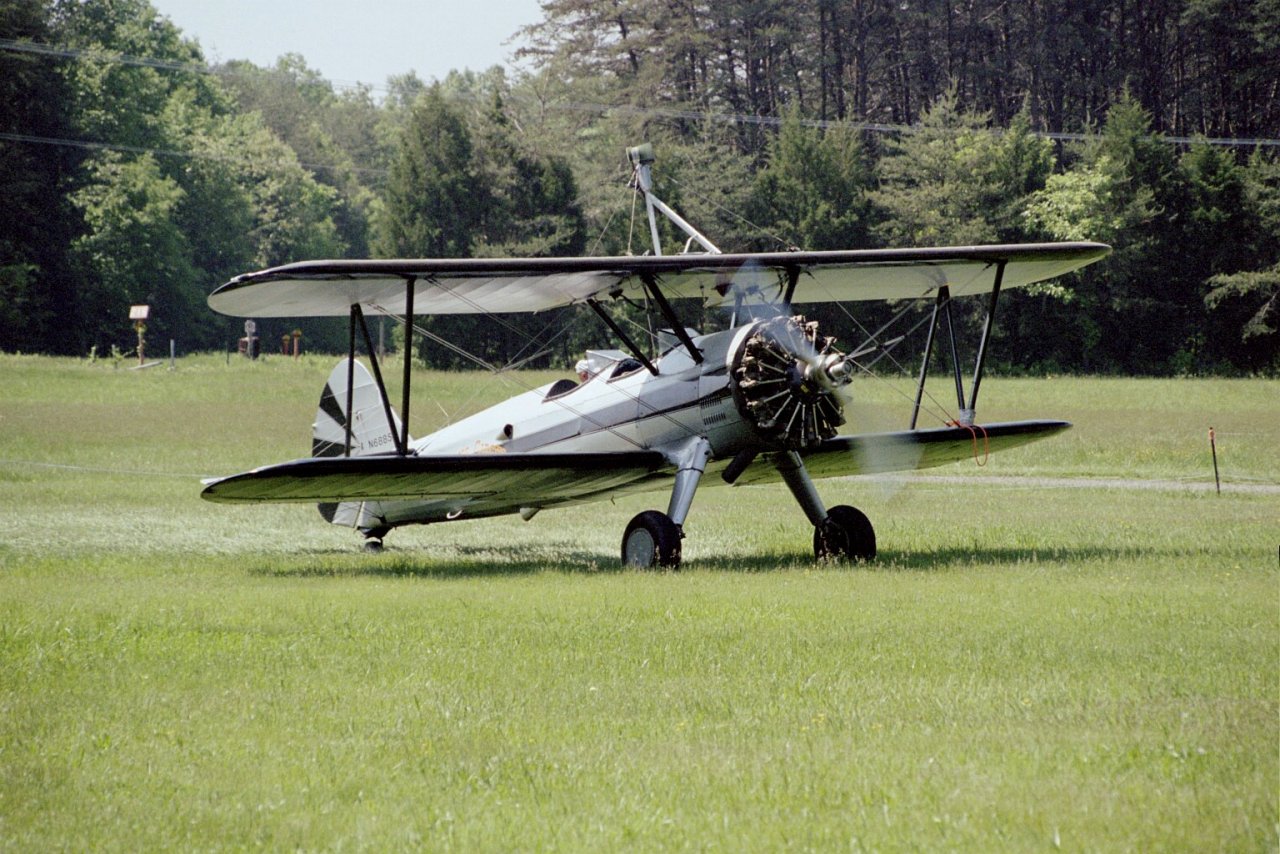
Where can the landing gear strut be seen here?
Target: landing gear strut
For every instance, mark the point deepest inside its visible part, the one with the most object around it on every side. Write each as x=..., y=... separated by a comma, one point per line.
x=653, y=538
x=841, y=533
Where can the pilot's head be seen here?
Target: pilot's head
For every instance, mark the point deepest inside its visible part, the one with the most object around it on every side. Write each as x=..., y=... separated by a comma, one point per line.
x=584, y=370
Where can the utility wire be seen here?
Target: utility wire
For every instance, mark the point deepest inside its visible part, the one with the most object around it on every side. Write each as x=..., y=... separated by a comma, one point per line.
x=617, y=109
x=169, y=152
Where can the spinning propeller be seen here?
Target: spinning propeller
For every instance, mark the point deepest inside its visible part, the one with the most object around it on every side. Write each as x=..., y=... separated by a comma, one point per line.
x=793, y=384
x=787, y=380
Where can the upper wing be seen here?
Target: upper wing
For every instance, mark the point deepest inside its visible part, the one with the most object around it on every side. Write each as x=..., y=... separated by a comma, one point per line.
x=908, y=450
x=480, y=484
x=498, y=285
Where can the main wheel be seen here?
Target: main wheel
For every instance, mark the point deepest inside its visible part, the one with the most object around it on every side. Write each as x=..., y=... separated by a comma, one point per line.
x=846, y=535
x=651, y=539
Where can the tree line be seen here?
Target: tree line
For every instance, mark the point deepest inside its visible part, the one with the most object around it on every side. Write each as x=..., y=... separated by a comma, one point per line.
x=1210, y=67
x=135, y=172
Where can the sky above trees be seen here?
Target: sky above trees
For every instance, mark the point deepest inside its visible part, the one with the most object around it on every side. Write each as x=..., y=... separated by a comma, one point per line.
x=353, y=42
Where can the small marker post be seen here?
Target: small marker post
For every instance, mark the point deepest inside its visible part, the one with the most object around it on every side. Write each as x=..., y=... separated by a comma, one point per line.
x=1213, y=447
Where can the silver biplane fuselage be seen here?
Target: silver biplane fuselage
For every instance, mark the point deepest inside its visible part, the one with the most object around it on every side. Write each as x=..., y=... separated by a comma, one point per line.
x=621, y=407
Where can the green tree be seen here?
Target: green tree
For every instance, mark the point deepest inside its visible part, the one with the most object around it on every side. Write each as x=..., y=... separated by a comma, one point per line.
x=36, y=287
x=334, y=134
x=248, y=199
x=434, y=205
x=130, y=63
x=1152, y=302
x=213, y=192
x=531, y=201
x=814, y=187
x=1245, y=303
x=121, y=102
x=433, y=202
x=134, y=250
x=953, y=180
x=1141, y=310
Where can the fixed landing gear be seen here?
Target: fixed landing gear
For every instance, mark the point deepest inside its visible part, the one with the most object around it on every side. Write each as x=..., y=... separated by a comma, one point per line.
x=846, y=534
x=373, y=539
x=651, y=540
x=841, y=533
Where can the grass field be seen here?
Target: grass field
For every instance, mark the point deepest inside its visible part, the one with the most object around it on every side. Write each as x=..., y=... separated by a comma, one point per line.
x=1022, y=669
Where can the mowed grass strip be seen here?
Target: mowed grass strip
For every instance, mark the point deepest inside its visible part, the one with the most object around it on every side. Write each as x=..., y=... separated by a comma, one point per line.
x=1022, y=669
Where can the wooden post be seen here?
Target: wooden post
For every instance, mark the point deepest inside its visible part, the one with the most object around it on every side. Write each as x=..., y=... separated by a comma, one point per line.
x=1213, y=447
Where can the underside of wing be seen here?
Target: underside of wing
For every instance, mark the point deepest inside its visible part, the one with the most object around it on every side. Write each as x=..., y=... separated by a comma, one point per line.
x=504, y=285
x=479, y=484
x=909, y=450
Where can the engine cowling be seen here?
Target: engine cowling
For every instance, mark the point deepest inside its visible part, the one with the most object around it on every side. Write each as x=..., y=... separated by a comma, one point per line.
x=785, y=377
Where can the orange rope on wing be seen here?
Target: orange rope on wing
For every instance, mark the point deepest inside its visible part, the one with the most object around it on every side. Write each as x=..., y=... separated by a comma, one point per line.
x=973, y=432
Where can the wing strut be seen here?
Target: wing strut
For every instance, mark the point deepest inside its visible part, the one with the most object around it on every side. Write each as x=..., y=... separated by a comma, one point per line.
x=793, y=279
x=626, y=339
x=942, y=307
x=986, y=335
x=944, y=294
x=410, y=288
x=651, y=285
x=358, y=313
x=351, y=377
x=955, y=355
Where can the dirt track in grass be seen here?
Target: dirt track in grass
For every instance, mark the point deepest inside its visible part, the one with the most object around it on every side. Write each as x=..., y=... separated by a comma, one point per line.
x=1086, y=483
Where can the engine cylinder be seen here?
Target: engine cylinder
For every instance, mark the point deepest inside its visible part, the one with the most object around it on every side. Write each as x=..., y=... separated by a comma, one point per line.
x=779, y=385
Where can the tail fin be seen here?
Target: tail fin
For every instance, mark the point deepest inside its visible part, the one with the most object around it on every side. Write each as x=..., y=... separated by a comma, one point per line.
x=370, y=434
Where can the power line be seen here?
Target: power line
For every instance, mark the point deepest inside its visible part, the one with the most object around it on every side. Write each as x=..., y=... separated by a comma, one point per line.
x=166, y=152
x=876, y=127
x=590, y=107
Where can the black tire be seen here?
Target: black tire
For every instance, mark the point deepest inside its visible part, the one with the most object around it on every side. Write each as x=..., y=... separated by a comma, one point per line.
x=846, y=535
x=651, y=540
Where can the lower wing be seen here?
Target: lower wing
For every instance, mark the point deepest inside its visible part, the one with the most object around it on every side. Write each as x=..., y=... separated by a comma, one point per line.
x=480, y=483
x=487, y=484
x=908, y=450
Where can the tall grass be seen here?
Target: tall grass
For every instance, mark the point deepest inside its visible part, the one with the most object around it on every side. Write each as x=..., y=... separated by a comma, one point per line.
x=1022, y=669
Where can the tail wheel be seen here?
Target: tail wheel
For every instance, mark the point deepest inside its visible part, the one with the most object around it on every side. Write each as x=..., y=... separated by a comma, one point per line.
x=771, y=388
x=651, y=540
x=846, y=534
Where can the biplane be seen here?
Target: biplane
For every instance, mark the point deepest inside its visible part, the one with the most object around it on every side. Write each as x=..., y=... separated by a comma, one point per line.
x=757, y=402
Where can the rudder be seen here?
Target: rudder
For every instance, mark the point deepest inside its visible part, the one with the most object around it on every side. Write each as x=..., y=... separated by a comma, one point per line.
x=370, y=434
